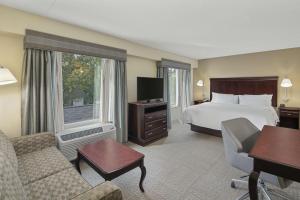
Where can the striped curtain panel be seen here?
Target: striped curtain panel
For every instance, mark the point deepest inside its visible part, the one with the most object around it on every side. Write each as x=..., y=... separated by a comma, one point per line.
x=41, y=92
x=121, y=101
x=163, y=72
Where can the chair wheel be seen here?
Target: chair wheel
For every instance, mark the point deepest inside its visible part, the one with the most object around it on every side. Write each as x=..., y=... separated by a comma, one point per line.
x=232, y=184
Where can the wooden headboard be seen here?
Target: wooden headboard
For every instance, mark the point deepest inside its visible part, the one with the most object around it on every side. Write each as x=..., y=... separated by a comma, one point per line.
x=246, y=85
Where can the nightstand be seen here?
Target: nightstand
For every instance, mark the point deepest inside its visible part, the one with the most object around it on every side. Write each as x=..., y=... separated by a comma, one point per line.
x=289, y=117
x=199, y=101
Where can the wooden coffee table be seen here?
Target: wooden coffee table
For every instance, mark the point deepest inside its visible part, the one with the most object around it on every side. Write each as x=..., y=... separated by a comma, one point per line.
x=111, y=159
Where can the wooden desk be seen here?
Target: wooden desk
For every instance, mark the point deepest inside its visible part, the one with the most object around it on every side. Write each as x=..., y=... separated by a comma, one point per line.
x=276, y=152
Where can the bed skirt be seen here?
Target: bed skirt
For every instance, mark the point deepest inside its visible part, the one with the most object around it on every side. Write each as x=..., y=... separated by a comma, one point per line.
x=200, y=129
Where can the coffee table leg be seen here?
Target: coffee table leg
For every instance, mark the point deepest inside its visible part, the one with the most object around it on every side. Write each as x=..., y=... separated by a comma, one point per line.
x=77, y=163
x=143, y=175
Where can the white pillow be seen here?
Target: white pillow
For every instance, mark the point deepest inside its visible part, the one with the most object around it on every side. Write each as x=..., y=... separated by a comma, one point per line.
x=224, y=98
x=264, y=100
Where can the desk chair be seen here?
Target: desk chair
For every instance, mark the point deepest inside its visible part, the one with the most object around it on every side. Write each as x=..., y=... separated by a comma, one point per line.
x=239, y=136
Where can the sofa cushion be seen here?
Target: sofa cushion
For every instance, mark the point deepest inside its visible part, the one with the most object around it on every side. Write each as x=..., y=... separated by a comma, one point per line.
x=40, y=164
x=10, y=184
x=7, y=148
x=34, y=142
x=63, y=185
x=104, y=191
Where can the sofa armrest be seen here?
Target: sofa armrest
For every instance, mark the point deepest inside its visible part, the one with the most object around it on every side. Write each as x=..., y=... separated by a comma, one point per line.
x=31, y=143
x=104, y=191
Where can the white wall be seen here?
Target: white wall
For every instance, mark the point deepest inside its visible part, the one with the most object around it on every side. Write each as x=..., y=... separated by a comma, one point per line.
x=11, y=55
x=16, y=22
x=137, y=66
x=281, y=63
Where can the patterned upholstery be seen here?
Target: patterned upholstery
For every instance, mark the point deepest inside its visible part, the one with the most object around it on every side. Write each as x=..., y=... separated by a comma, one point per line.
x=63, y=185
x=7, y=148
x=10, y=184
x=41, y=172
x=40, y=164
x=105, y=191
x=31, y=143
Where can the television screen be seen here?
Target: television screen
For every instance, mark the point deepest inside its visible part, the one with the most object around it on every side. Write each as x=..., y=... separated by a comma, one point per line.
x=149, y=88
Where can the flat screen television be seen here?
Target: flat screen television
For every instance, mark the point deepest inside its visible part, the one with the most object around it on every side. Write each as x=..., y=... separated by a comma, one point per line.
x=149, y=88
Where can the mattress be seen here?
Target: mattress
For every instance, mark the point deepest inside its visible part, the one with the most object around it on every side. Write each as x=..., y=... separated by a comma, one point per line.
x=210, y=115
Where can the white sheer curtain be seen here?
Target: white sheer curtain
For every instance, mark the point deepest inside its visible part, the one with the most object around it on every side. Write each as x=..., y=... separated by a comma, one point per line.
x=104, y=94
x=185, y=88
x=184, y=91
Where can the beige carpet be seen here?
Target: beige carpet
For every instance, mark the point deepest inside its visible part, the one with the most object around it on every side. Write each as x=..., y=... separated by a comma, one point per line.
x=184, y=166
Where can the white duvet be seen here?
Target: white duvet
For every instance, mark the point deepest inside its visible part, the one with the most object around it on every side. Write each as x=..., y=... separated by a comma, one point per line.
x=210, y=115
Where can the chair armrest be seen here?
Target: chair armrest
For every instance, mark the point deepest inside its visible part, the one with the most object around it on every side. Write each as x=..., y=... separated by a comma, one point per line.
x=31, y=143
x=104, y=191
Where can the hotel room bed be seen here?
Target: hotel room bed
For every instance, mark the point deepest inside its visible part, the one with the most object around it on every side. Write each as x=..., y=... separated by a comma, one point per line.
x=210, y=115
x=207, y=117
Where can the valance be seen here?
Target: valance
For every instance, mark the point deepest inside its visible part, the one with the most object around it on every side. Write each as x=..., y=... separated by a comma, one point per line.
x=173, y=64
x=44, y=41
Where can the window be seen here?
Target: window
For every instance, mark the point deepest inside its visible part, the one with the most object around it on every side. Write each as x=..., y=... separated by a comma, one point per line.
x=81, y=87
x=173, y=84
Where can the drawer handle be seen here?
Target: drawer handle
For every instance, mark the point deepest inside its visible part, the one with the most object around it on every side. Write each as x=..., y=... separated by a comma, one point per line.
x=164, y=121
x=150, y=117
x=164, y=128
x=150, y=133
x=150, y=125
x=289, y=114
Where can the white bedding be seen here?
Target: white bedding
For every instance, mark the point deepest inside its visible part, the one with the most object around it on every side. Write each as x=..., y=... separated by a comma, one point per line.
x=210, y=115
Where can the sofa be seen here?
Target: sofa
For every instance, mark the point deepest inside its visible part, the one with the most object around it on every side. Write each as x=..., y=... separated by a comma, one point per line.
x=32, y=168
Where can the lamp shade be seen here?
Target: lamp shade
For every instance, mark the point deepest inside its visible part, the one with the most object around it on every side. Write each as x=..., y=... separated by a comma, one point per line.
x=6, y=77
x=200, y=83
x=286, y=83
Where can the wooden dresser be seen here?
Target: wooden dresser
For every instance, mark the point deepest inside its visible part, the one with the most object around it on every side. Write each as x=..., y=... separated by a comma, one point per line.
x=147, y=122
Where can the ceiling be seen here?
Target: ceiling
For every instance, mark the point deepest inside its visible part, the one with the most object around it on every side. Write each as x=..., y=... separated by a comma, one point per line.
x=193, y=28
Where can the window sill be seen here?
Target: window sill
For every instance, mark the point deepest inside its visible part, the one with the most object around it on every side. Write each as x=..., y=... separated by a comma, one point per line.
x=81, y=124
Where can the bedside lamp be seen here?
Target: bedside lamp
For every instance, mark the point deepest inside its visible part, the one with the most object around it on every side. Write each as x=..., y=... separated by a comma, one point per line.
x=286, y=83
x=6, y=77
x=200, y=83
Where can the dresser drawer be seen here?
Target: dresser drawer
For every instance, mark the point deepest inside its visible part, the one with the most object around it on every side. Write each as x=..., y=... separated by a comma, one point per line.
x=293, y=114
x=155, y=115
x=156, y=131
x=155, y=124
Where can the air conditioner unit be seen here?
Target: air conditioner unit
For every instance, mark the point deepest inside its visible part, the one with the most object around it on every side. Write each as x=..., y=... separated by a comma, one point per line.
x=71, y=139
